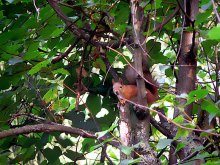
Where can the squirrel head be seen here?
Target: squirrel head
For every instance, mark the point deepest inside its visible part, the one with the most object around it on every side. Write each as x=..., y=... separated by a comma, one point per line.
x=117, y=86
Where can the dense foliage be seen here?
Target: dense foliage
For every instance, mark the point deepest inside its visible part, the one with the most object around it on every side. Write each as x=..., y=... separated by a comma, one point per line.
x=58, y=59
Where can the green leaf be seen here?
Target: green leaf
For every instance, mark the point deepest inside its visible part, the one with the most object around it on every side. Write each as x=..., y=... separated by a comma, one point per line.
x=94, y=103
x=163, y=143
x=50, y=95
x=210, y=107
x=203, y=155
x=155, y=53
x=180, y=146
x=207, y=45
x=182, y=133
x=64, y=142
x=74, y=155
x=179, y=119
x=61, y=104
x=157, y=4
x=121, y=15
x=30, y=55
x=96, y=147
x=100, y=64
x=72, y=104
x=144, y=3
x=13, y=49
x=4, y=157
x=214, y=33
x=47, y=32
x=129, y=162
x=196, y=95
x=52, y=155
x=61, y=71
x=25, y=155
x=87, y=145
x=212, y=162
x=113, y=154
x=38, y=67
x=199, y=94
x=202, y=17
x=57, y=32
x=126, y=150
x=79, y=121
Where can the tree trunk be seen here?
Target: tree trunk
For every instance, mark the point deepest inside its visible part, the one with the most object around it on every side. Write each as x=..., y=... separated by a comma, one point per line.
x=141, y=131
x=186, y=78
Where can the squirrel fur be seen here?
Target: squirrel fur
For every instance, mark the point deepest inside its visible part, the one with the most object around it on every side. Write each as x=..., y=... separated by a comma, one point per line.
x=130, y=91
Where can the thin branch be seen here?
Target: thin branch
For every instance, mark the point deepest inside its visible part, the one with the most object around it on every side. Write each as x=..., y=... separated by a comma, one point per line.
x=215, y=10
x=81, y=33
x=114, y=50
x=161, y=128
x=217, y=74
x=103, y=154
x=108, y=65
x=184, y=12
x=37, y=9
x=170, y=120
x=166, y=20
x=62, y=56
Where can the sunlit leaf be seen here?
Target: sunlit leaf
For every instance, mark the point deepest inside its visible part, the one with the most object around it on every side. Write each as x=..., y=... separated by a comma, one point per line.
x=50, y=95
x=214, y=33
x=126, y=150
x=181, y=132
x=61, y=71
x=210, y=107
x=38, y=67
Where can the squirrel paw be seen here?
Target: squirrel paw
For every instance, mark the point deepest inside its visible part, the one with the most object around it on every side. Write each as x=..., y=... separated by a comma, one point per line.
x=121, y=103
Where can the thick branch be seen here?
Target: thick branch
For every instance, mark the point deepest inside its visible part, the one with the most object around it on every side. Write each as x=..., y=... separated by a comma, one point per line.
x=52, y=128
x=161, y=128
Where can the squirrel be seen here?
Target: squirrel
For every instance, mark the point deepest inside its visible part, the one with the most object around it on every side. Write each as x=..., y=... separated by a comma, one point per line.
x=130, y=91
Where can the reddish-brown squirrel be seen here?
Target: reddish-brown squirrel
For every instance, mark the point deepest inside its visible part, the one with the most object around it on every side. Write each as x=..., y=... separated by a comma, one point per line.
x=129, y=92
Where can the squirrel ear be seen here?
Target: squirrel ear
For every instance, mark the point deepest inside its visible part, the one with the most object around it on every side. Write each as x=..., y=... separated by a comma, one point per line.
x=113, y=81
x=120, y=80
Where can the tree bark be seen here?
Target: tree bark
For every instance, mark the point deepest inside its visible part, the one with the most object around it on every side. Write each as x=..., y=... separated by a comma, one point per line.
x=186, y=78
x=141, y=131
x=125, y=129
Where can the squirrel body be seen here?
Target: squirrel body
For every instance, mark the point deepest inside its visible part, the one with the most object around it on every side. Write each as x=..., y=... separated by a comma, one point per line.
x=130, y=91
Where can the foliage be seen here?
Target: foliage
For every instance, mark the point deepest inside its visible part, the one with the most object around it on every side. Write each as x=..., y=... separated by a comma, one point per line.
x=38, y=88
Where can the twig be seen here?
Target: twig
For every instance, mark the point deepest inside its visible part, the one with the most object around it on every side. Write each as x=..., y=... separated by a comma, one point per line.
x=184, y=12
x=103, y=154
x=215, y=10
x=161, y=128
x=81, y=33
x=217, y=74
x=166, y=20
x=37, y=10
x=108, y=65
x=170, y=120
x=137, y=72
x=65, y=54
